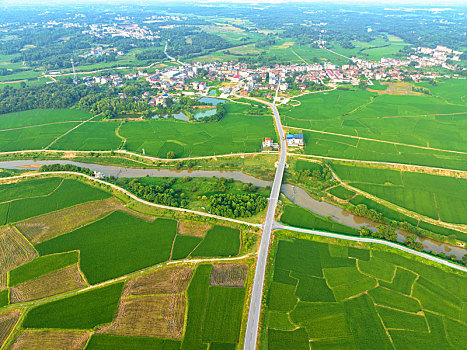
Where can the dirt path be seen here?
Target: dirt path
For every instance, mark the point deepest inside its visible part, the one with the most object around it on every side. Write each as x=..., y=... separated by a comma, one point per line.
x=67, y=132
x=35, y=126
x=376, y=140
x=127, y=193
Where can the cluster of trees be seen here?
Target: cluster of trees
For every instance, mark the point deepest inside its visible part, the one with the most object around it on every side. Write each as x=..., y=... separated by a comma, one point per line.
x=161, y=194
x=65, y=94
x=319, y=175
x=196, y=43
x=66, y=167
x=150, y=55
x=62, y=94
x=111, y=107
x=382, y=232
x=362, y=210
x=236, y=205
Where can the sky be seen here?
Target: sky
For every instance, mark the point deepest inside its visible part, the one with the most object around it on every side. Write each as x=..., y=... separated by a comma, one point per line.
x=405, y=3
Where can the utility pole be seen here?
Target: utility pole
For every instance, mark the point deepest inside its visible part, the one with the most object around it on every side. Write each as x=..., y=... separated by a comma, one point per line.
x=75, y=77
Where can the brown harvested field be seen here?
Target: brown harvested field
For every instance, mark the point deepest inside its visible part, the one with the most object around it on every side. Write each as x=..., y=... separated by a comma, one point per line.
x=7, y=323
x=164, y=281
x=15, y=250
x=54, y=283
x=228, y=275
x=140, y=216
x=42, y=228
x=149, y=316
x=3, y=281
x=193, y=228
x=50, y=340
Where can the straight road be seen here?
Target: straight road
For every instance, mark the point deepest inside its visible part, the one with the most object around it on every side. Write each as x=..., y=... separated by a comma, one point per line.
x=254, y=312
x=279, y=226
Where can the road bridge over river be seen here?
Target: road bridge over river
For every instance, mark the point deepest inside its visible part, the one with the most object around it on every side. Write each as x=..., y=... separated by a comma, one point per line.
x=254, y=313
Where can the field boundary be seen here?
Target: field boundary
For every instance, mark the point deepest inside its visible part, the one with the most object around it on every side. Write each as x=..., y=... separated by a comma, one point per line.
x=279, y=226
x=376, y=140
x=128, y=194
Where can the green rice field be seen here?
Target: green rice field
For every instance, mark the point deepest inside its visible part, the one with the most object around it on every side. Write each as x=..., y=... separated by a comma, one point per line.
x=438, y=197
x=41, y=266
x=51, y=194
x=432, y=124
x=219, y=308
x=82, y=311
x=237, y=132
x=332, y=295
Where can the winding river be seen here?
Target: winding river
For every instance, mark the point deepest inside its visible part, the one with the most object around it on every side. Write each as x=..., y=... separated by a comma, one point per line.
x=296, y=194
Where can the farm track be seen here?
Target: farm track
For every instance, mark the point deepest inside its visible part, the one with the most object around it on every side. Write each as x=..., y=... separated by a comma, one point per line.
x=72, y=129
x=400, y=166
x=35, y=126
x=280, y=226
x=126, y=278
x=382, y=141
x=127, y=193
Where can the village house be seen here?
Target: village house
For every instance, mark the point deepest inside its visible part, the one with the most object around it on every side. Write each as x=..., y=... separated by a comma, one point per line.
x=295, y=140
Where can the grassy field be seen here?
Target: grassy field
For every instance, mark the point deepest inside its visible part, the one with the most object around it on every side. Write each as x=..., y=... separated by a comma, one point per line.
x=41, y=266
x=438, y=197
x=82, y=311
x=299, y=217
x=419, y=120
x=368, y=298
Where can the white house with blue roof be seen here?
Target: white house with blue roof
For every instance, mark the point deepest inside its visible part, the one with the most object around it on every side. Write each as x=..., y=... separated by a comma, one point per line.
x=294, y=140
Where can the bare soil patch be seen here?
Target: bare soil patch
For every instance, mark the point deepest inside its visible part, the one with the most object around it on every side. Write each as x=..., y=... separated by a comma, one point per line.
x=42, y=228
x=228, y=275
x=51, y=340
x=54, y=283
x=193, y=228
x=15, y=250
x=149, y=316
x=138, y=215
x=165, y=281
x=7, y=323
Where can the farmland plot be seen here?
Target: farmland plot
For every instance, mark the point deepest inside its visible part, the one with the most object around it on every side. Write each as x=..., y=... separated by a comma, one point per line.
x=228, y=275
x=7, y=323
x=15, y=250
x=41, y=266
x=67, y=194
x=50, y=340
x=374, y=293
x=56, y=282
x=42, y=228
x=169, y=280
x=149, y=316
x=85, y=310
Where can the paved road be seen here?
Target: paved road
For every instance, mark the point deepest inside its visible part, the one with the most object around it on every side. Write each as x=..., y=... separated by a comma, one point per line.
x=254, y=313
x=278, y=225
